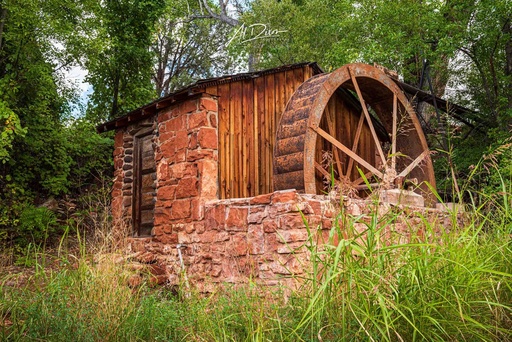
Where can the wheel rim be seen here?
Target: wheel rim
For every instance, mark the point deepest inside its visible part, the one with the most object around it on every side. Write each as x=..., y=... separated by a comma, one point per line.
x=377, y=94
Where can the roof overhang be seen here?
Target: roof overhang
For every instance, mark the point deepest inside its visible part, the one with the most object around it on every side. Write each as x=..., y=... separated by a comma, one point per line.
x=191, y=91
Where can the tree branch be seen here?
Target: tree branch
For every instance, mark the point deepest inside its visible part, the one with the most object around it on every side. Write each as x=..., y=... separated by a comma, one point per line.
x=222, y=16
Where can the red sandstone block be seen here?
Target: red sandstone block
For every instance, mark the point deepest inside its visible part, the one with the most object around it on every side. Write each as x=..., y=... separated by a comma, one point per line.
x=127, y=201
x=178, y=227
x=187, y=187
x=314, y=221
x=238, y=245
x=168, y=148
x=278, y=209
x=212, y=119
x=326, y=224
x=162, y=171
x=271, y=243
x=156, y=269
x=256, y=217
x=165, y=115
x=161, y=217
x=180, y=209
x=218, y=248
x=323, y=238
x=183, y=170
x=285, y=196
x=197, y=209
x=158, y=154
x=208, y=104
x=118, y=139
x=292, y=235
x=163, y=136
x=197, y=120
x=261, y=199
x=256, y=239
x=175, y=124
x=168, y=238
x=291, y=221
x=180, y=156
x=118, y=151
x=215, y=217
x=329, y=212
x=192, y=141
x=237, y=218
x=199, y=227
x=158, y=230
x=207, y=138
x=211, y=236
x=215, y=271
x=181, y=140
x=166, y=193
x=118, y=164
x=277, y=268
x=316, y=207
x=117, y=193
x=188, y=106
x=194, y=155
x=291, y=248
x=190, y=228
x=269, y=226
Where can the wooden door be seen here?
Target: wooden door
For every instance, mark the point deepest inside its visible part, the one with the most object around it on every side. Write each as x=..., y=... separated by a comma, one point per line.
x=144, y=178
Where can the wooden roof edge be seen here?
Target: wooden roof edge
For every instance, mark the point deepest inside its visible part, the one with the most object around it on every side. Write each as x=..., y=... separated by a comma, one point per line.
x=146, y=110
x=454, y=110
x=187, y=92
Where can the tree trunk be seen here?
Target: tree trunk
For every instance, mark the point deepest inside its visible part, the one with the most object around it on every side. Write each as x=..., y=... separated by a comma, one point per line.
x=507, y=30
x=3, y=17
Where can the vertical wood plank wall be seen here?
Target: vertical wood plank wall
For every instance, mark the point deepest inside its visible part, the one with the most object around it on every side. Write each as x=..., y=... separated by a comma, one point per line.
x=249, y=112
x=345, y=119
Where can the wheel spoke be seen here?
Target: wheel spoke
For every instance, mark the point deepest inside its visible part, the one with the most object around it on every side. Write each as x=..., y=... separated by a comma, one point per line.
x=356, y=142
x=323, y=171
x=415, y=163
x=368, y=118
x=360, y=180
x=365, y=187
x=393, y=138
x=347, y=151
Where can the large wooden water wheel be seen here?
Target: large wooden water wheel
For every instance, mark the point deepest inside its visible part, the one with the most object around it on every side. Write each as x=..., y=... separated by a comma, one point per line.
x=352, y=128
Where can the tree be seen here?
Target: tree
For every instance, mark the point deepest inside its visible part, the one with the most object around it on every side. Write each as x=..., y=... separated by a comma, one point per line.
x=119, y=61
x=188, y=46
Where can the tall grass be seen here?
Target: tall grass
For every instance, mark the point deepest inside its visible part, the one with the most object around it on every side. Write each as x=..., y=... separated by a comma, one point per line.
x=457, y=287
x=445, y=285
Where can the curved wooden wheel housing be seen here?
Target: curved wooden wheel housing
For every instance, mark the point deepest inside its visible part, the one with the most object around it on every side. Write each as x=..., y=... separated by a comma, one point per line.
x=395, y=148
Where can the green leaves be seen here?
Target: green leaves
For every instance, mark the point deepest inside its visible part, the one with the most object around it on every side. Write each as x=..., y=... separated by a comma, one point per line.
x=10, y=127
x=119, y=62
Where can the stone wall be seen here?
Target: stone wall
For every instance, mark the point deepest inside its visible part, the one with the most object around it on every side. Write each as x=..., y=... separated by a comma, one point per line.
x=184, y=137
x=186, y=158
x=263, y=239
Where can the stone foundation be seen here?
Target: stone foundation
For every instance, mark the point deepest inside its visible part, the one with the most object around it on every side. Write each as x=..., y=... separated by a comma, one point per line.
x=263, y=239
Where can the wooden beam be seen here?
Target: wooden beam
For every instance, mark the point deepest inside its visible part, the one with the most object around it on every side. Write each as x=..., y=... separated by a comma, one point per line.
x=348, y=151
x=367, y=115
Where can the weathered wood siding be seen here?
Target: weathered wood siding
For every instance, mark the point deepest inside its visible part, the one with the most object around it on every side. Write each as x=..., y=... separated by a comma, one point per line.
x=249, y=112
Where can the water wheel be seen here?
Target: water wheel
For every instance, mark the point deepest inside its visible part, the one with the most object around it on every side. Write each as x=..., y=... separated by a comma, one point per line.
x=348, y=128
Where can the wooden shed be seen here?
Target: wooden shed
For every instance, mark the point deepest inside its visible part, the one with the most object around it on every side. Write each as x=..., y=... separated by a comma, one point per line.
x=253, y=133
